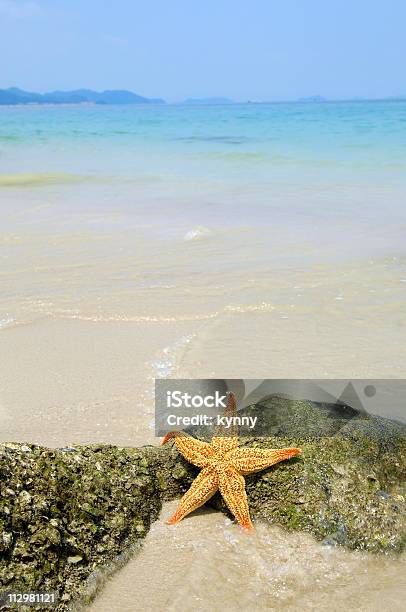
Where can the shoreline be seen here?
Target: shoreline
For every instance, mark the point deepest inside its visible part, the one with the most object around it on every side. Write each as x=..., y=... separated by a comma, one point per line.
x=274, y=569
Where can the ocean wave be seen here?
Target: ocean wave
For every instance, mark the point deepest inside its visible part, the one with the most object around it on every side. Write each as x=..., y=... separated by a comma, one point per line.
x=232, y=140
x=165, y=364
x=133, y=318
x=245, y=308
x=7, y=321
x=229, y=309
x=233, y=155
x=30, y=179
x=197, y=233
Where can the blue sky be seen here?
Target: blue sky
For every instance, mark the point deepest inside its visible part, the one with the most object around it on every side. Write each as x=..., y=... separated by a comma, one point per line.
x=257, y=49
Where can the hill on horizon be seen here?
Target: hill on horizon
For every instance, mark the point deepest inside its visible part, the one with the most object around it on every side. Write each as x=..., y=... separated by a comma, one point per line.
x=14, y=95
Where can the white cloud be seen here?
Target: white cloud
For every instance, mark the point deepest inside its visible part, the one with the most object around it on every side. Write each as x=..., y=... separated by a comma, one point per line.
x=19, y=9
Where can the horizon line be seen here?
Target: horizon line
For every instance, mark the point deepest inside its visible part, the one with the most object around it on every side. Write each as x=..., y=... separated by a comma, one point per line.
x=219, y=100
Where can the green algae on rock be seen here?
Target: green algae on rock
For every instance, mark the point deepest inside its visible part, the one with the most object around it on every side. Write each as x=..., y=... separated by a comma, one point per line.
x=347, y=486
x=334, y=491
x=66, y=514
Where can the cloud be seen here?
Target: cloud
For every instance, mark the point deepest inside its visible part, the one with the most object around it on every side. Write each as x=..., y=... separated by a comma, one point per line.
x=19, y=9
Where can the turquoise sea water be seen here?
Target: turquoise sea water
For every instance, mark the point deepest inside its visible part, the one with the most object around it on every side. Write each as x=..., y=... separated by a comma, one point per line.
x=253, y=162
x=220, y=188
x=360, y=140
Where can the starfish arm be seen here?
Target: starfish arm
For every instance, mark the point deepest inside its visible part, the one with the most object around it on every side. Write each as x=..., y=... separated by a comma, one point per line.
x=202, y=488
x=250, y=460
x=232, y=488
x=194, y=451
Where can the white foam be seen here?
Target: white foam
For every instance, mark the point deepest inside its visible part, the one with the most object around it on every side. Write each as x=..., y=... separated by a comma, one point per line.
x=197, y=233
x=165, y=365
x=6, y=321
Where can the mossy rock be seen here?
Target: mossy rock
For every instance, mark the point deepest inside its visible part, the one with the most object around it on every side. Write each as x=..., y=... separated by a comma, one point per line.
x=347, y=486
x=341, y=491
x=66, y=513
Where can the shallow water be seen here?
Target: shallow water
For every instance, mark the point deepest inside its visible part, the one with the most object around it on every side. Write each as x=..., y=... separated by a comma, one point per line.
x=247, y=241
x=207, y=563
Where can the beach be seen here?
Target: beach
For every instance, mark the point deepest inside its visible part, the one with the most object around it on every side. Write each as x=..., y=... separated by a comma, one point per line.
x=248, y=241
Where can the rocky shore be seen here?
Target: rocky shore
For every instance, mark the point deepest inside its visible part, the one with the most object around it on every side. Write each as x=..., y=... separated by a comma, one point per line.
x=66, y=513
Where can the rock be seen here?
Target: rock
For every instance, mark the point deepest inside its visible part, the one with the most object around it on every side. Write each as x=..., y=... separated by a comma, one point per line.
x=67, y=513
x=345, y=488
x=179, y=471
x=75, y=559
x=342, y=507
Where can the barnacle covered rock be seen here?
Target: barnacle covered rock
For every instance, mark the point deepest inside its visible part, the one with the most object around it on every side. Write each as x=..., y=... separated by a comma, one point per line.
x=67, y=513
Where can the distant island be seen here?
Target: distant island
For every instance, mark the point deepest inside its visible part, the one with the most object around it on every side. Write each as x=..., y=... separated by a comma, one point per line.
x=313, y=99
x=14, y=95
x=203, y=101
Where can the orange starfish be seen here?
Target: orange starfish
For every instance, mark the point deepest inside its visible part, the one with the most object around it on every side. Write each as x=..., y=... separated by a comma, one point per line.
x=224, y=464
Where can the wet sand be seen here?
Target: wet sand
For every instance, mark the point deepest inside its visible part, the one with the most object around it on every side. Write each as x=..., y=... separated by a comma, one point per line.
x=209, y=564
x=79, y=382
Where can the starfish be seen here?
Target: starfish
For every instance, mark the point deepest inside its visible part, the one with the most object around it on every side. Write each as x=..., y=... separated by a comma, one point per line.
x=223, y=466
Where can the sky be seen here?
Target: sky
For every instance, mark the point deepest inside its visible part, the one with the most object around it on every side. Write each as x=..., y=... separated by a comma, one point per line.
x=175, y=49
